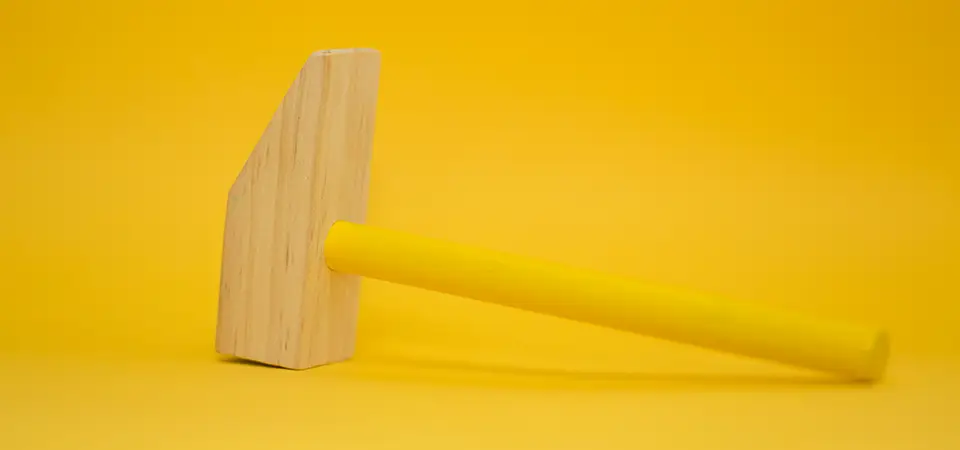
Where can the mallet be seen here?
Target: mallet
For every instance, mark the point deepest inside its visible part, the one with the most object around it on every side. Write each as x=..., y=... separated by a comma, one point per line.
x=295, y=246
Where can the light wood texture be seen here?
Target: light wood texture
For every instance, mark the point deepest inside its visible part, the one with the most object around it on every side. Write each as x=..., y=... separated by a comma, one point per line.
x=279, y=304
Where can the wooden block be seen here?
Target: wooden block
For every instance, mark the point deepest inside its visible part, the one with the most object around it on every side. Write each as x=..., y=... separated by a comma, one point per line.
x=279, y=304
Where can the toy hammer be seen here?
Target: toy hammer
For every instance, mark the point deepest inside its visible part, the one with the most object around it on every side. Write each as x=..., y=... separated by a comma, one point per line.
x=295, y=246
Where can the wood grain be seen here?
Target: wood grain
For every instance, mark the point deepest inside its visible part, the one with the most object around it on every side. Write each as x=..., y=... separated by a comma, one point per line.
x=279, y=304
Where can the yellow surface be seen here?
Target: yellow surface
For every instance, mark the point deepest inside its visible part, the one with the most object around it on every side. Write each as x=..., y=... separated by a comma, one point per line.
x=847, y=350
x=801, y=154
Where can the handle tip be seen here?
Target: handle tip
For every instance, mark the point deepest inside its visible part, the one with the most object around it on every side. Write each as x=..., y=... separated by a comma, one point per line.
x=875, y=364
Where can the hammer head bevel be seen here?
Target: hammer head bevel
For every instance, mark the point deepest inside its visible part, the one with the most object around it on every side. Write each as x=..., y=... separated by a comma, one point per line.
x=279, y=304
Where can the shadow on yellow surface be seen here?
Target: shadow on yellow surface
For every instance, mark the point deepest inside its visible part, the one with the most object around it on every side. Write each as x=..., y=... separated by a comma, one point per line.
x=480, y=374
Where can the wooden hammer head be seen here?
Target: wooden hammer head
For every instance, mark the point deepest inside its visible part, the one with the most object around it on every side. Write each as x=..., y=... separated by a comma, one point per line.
x=279, y=303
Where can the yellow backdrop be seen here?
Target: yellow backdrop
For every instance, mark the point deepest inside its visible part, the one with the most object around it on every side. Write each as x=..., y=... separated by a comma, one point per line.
x=800, y=153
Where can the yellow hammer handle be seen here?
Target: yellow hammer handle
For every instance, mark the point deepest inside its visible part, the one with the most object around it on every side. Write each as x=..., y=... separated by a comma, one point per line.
x=847, y=350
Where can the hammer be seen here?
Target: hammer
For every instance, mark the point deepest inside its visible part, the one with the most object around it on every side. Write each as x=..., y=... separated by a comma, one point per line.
x=296, y=245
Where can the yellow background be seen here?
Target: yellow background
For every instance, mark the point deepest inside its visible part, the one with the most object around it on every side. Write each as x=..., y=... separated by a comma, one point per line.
x=800, y=153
